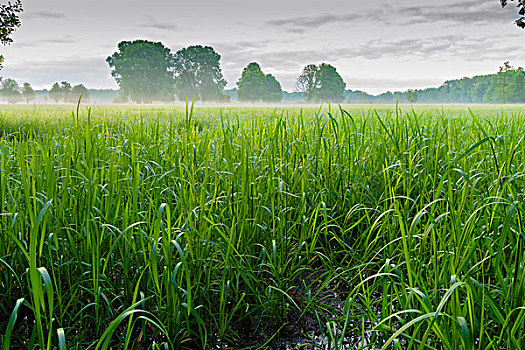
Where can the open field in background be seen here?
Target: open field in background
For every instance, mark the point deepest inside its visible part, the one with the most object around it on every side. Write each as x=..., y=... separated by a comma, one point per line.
x=244, y=227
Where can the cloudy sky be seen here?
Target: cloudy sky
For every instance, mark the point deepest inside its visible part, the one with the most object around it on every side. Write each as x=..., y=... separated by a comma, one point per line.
x=376, y=45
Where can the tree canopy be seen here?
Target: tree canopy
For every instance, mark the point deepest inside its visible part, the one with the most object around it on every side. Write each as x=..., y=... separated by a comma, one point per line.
x=198, y=73
x=255, y=86
x=411, y=96
x=143, y=70
x=9, y=21
x=60, y=92
x=307, y=82
x=11, y=91
x=66, y=89
x=507, y=85
x=331, y=84
x=520, y=22
x=28, y=92
x=272, y=88
x=67, y=93
x=56, y=93
x=321, y=83
x=76, y=92
x=502, y=79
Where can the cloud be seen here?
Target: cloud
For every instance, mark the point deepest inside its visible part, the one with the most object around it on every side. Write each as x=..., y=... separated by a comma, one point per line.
x=45, y=15
x=299, y=24
x=459, y=12
x=153, y=23
x=45, y=42
x=240, y=48
x=289, y=62
x=434, y=47
x=58, y=41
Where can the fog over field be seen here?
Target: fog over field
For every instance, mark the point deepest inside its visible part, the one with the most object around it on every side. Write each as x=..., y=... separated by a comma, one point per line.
x=376, y=46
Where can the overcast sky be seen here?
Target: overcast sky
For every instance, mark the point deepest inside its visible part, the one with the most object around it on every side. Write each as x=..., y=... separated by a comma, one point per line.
x=375, y=45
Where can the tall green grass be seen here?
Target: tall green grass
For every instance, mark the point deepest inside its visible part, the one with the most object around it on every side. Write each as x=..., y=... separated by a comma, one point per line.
x=238, y=227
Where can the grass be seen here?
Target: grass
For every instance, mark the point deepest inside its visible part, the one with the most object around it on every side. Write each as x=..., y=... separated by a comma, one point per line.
x=240, y=227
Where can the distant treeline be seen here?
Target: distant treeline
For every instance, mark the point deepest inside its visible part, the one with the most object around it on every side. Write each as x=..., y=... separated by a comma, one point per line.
x=507, y=86
x=478, y=89
x=62, y=92
x=149, y=72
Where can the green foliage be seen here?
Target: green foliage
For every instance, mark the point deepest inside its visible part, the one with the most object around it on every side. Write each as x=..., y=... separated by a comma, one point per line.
x=56, y=93
x=411, y=96
x=10, y=91
x=272, y=88
x=516, y=88
x=77, y=92
x=198, y=73
x=28, y=92
x=520, y=22
x=251, y=84
x=321, y=84
x=207, y=228
x=66, y=89
x=356, y=96
x=144, y=71
x=508, y=86
x=9, y=21
x=64, y=92
x=307, y=82
x=255, y=86
x=504, y=87
x=331, y=84
x=502, y=79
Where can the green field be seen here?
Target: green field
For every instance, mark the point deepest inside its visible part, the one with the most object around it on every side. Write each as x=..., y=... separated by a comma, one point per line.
x=163, y=227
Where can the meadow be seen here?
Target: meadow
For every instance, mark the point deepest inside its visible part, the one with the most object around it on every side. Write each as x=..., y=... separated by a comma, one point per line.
x=341, y=227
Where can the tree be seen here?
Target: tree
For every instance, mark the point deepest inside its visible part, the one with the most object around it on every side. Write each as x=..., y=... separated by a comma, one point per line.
x=198, y=73
x=411, y=96
x=62, y=92
x=520, y=22
x=502, y=79
x=307, y=82
x=11, y=91
x=255, y=86
x=28, y=92
x=480, y=88
x=143, y=70
x=321, y=83
x=56, y=93
x=251, y=83
x=66, y=89
x=273, y=90
x=9, y=21
x=76, y=92
x=331, y=84
x=516, y=87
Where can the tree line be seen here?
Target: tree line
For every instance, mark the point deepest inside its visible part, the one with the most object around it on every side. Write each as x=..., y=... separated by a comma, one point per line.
x=60, y=92
x=148, y=71
x=505, y=86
